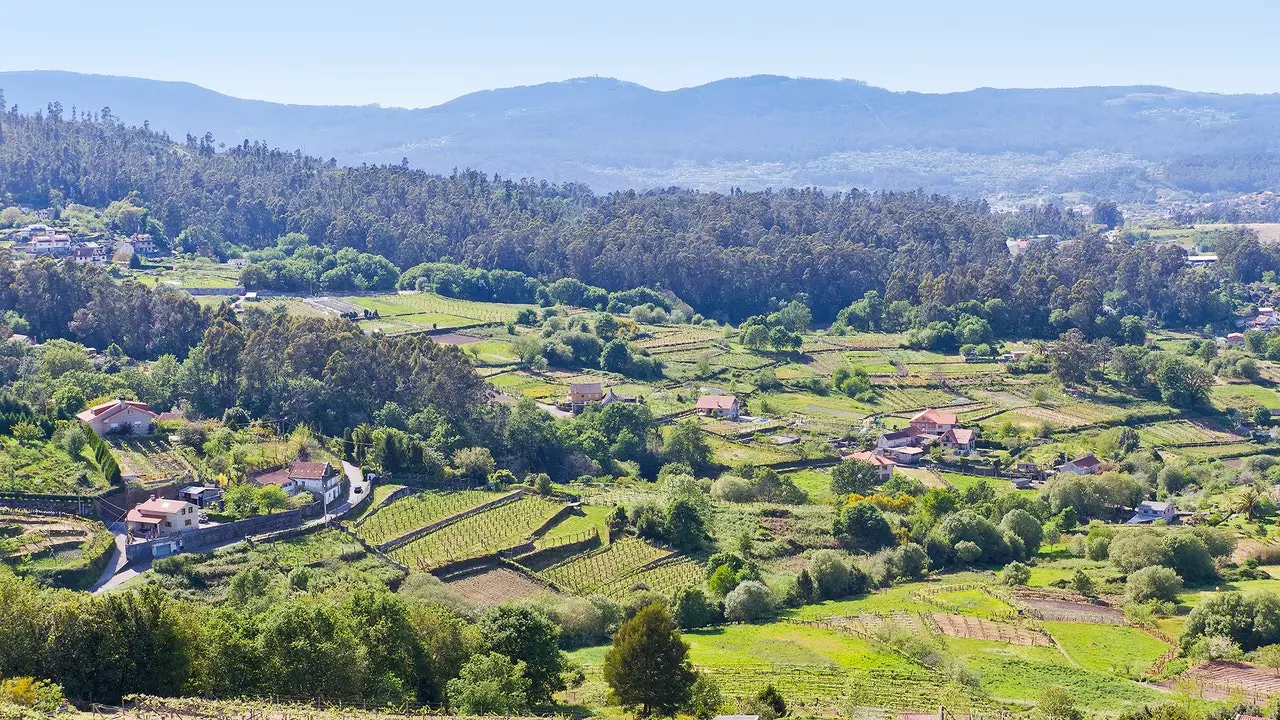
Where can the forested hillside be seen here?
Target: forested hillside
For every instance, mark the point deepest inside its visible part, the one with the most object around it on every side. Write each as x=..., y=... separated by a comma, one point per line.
x=729, y=256
x=751, y=132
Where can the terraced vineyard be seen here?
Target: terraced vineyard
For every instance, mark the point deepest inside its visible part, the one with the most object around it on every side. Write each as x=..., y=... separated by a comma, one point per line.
x=477, y=535
x=1184, y=432
x=585, y=573
x=408, y=514
x=665, y=578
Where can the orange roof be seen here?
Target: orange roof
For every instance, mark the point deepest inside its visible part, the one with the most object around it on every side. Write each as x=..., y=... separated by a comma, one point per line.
x=937, y=417
x=716, y=402
x=111, y=407
x=961, y=436
x=870, y=457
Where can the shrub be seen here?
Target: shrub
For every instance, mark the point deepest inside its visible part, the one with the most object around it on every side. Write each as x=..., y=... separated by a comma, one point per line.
x=1015, y=573
x=968, y=551
x=1026, y=527
x=830, y=574
x=693, y=609
x=705, y=699
x=1153, y=583
x=749, y=602
x=732, y=489
x=489, y=685
x=1131, y=551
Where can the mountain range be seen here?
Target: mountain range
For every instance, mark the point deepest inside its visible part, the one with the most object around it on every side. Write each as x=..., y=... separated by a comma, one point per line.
x=1134, y=143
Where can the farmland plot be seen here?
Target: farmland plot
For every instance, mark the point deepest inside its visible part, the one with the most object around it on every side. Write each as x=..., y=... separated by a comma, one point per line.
x=665, y=578
x=495, y=585
x=589, y=571
x=416, y=511
x=967, y=626
x=151, y=458
x=477, y=535
x=1185, y=432
x=1224, y=679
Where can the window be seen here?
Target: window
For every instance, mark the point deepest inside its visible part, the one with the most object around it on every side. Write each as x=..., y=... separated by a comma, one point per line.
x=188, y=523
x=168, y=524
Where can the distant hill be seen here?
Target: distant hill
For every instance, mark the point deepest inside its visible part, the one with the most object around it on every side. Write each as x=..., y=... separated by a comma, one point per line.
x=1123, y=142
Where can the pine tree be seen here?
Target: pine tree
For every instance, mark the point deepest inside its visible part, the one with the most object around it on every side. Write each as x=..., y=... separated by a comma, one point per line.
x=648, y=666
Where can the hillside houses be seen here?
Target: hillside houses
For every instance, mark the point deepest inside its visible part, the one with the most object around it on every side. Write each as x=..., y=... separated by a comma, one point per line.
x=927, y=429
x=119, y=416
x=46, y=239
x=584, y=395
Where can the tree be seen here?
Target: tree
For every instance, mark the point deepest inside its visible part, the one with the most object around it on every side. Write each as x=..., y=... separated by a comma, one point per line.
x=1082, y=583
x=616, y=357
x=489, y=685
x=723, y=580
x=1153, y=583
x=1132, y=551
x=854, y=476
x=863, y=526
x=748, y=602
x=1189, y=556
x=648, y=666
x=705, y=698
x=686, y=444
x=527, y=635
x=684, y=525
x=772, y=699
x=1106, y=213
x=1026, y=527
x=1182, y=382
x=693, y=609
x=755, y=337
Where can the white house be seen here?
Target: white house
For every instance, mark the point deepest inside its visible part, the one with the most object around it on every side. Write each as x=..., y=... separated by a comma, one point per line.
x=723, y=406
x=158, y=517
x=318, y=478
x=897, y=438
x=1149, y=511
x=960, y=439
x=119, y=416
x=1084, y=465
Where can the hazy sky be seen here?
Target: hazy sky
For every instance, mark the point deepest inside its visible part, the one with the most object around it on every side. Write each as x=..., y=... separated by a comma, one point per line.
x=416, y=54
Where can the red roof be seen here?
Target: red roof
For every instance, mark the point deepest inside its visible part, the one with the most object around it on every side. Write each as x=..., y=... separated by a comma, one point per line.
x=960, y=436
x=1086, y=461
x=870, y=457
x=936, y=417
x=717, y=402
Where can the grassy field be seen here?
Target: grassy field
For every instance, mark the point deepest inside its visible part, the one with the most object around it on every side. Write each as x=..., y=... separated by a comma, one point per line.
x=591, y=517
x=1019, y=673
x=1114, y=649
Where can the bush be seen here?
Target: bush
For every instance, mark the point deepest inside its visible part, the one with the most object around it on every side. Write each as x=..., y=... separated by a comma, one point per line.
x=705, y=699
x=1132, y=551
x=830, y=573
x=1026, y=527
x=749, y=602
x=693, y=609
x=732, y=489
x=1153, y=583
x=489, y=685
x=1015, y=573
x=968, y=551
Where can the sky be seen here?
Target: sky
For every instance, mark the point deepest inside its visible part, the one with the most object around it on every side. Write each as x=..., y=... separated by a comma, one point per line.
x=418, y=54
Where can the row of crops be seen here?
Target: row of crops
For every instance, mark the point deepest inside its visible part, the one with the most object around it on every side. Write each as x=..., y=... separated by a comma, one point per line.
x=665, y=578
x=416, y=511
x=477, y=535
x=1183, y=432
x=584, y=574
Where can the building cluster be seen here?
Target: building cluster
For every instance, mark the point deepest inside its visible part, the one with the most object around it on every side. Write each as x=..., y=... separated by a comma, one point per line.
x=930, y=428
x=320, y=479
x=42, y=240
x=1268, y=320
x=584, y=395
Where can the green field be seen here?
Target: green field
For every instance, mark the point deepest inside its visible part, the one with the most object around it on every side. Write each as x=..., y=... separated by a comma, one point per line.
x=1115, y=649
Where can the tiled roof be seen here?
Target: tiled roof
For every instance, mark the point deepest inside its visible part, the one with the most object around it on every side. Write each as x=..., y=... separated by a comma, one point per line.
x=716, y=402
